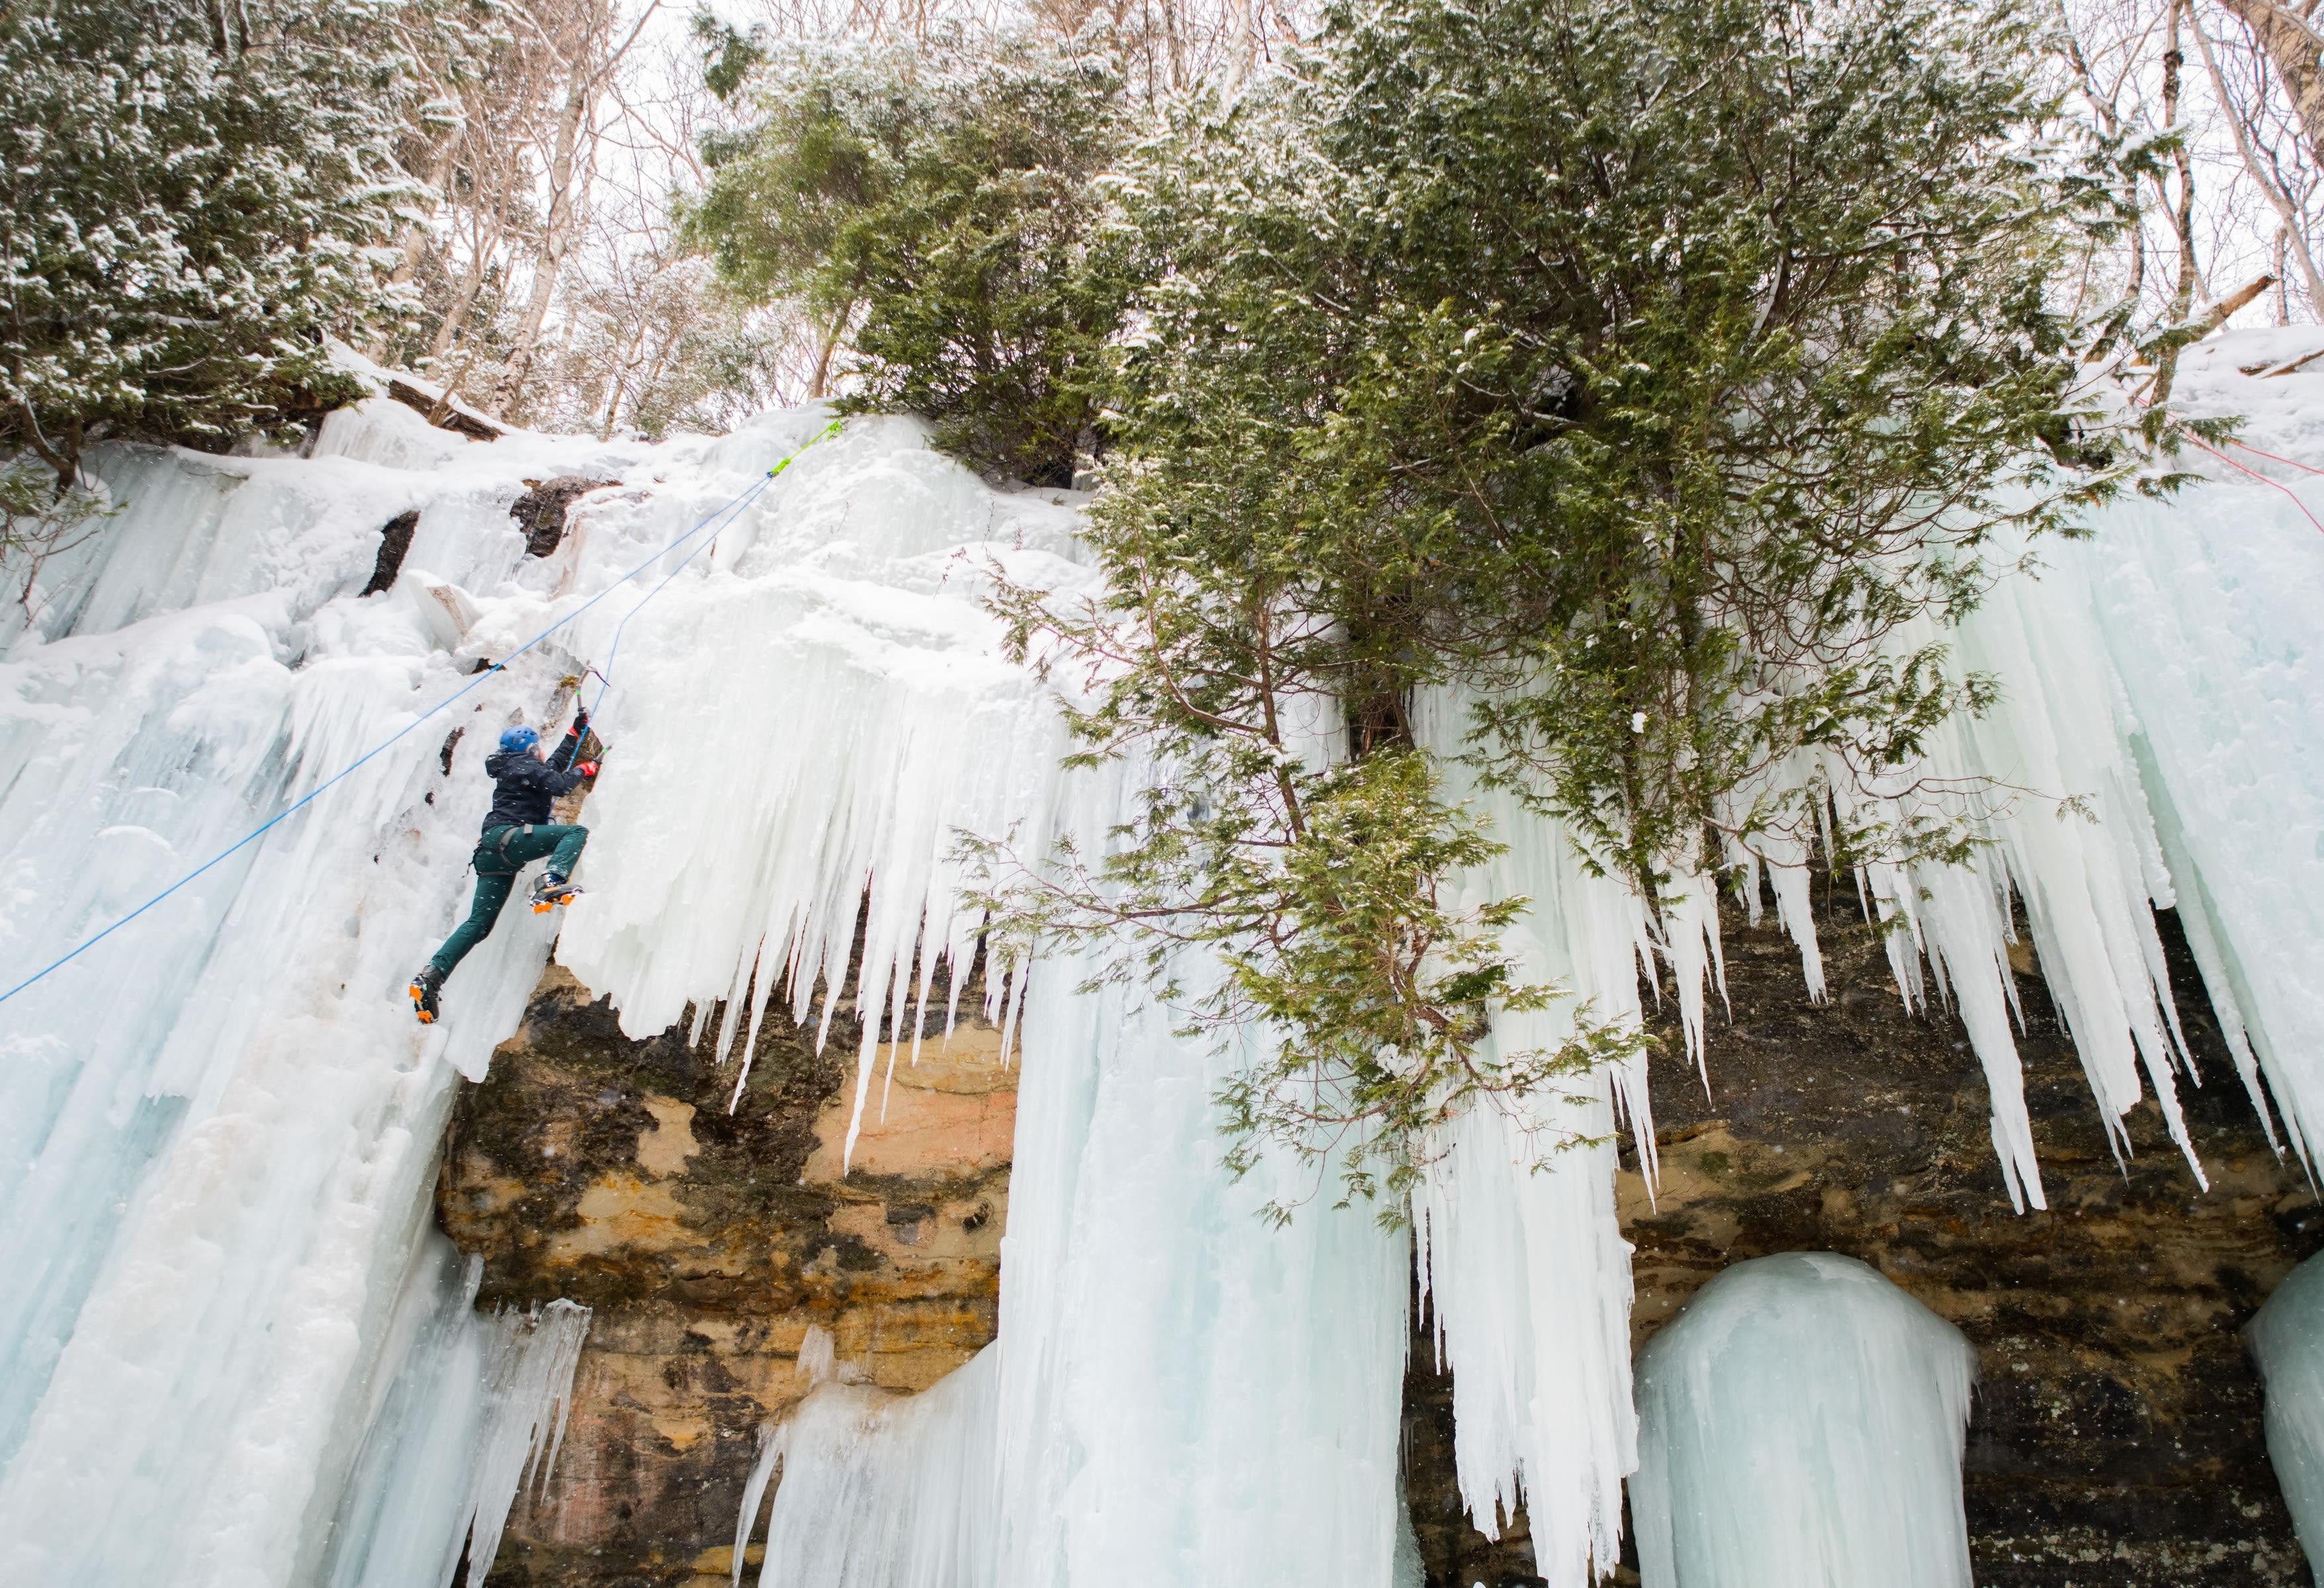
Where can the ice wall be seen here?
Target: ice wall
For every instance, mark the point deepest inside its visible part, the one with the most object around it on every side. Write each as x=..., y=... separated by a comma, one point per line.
x=218, y=1128
x=2287, y=1340
x=1801, y=1426
x=230, y=1337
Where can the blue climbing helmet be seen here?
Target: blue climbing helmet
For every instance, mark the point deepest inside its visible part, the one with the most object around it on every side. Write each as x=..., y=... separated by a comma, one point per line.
x=519, y=740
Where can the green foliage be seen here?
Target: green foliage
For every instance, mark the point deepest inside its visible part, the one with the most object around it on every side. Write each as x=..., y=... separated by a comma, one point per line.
x=932, y=208
x=190, y=196
x=1642, y=387
x=37, y=521
x=1319, y=893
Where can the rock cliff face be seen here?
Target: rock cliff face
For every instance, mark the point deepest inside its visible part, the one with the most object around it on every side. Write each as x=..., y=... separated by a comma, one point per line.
x=707, y=1242
x=2116, y=1440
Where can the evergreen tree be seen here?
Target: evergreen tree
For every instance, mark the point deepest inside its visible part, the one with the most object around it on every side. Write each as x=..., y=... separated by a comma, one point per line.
x=933, y=209
x=192, y=196
x=1638, y=373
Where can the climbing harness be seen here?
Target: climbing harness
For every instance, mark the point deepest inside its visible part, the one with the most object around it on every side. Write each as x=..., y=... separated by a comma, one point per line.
x=499, y=846
x=717, y=520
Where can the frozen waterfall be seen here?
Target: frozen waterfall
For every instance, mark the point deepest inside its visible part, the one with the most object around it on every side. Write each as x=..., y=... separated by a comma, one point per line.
x=1800, y=1425
x=236, y=1355
x=218, y=1129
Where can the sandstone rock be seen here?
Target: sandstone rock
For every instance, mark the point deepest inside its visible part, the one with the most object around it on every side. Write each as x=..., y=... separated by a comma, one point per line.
x=2115, y=1441
x=592, y=1166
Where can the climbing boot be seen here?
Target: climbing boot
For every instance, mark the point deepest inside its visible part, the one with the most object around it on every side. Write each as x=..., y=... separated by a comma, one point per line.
x=550, y=892
x=424, y=988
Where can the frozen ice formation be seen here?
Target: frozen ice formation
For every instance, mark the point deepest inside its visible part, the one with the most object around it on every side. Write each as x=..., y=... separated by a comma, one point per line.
x=1800, y=1425
x=1522, y=1264
x=228, y=1340
x=1180, y=1394
x=473, y=1412
x=880, y=1488
x=218, y=1129
x=2287, y=1339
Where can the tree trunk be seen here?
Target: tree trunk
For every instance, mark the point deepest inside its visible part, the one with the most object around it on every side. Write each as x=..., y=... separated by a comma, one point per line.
x=583, y=77
x=472, y=281
x=2289, y=236
x=1242, y=47
x=415, y=236
x=820, y=384
x=2182, y=299
x=2292, y=47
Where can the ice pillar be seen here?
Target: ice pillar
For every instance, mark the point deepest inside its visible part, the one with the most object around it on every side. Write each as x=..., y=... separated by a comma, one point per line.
x=1801, y=1426
x=2287, y=1338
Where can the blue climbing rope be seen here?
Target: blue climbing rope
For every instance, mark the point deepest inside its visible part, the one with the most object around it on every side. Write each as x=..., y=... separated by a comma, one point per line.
x=718, y=519
x=613, y=651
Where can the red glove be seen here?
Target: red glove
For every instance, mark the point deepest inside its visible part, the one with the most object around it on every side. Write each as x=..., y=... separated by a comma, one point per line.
x=587, y=768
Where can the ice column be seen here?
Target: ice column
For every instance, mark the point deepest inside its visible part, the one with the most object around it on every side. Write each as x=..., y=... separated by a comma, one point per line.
x=1188, y=1394
x=1522, y=1261
x=2287, y=1338
x=474, y=1412
x=1181, y=1393
x=1801, y=1426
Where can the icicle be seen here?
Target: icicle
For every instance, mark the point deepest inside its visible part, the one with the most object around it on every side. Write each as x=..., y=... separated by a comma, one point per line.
x=1522, y=1260
x=754, y=1492
x=527, y=1388
x=2206, y=608
x=862, y=717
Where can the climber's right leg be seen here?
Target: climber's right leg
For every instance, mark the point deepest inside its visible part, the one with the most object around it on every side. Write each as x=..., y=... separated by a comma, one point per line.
x=553, y=890
x=567, y=853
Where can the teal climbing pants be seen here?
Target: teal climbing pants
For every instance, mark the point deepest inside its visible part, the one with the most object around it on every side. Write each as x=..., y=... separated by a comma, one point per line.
x=499, y=857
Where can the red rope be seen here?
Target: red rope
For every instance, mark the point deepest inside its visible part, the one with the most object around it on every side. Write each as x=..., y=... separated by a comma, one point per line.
x=2247, y=447
x=2271, y=457
x=2254, y=473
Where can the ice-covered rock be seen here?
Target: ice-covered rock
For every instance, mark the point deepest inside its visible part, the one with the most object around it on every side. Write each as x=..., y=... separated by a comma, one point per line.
x=1801, y=1426
x=2287, y=1338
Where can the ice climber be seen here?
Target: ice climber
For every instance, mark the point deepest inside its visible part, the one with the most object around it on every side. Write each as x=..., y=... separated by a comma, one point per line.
x=525, y=780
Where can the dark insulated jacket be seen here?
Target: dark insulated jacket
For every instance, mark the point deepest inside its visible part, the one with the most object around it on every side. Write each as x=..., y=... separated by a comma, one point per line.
x=523, y=786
